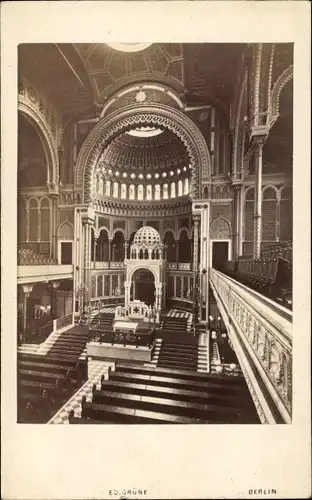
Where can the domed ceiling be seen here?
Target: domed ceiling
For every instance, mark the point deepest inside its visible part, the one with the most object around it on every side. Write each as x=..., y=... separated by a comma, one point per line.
x=136, y=153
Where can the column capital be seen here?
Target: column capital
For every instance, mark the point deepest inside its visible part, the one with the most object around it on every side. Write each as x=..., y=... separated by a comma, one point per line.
x=237, y=187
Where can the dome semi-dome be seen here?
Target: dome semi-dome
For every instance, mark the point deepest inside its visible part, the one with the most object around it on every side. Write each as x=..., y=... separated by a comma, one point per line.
x=147, y=236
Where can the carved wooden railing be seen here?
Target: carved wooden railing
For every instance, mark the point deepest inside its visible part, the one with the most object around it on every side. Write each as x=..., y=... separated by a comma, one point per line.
x=261, y=334
x=28, y=256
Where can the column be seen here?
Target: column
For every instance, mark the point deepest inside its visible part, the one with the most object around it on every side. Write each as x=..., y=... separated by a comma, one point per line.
x=177, y=252
x=174, y=286
x=195, y=247
x=237, y=188
x=109, y=251
x=258, y=202
x=110, y=285
x=127, y=291
x=126, y=248
x=55, y=285
x=87, y=224
x=53, y=225
x=195, y=270
x=94, y=250
x=27, y=289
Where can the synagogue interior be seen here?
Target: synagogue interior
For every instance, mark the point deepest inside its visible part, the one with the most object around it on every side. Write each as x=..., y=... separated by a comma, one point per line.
x=154, y=259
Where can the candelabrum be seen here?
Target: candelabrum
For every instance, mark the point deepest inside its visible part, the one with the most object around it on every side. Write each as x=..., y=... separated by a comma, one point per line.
x=152, y=317
x=82, y=295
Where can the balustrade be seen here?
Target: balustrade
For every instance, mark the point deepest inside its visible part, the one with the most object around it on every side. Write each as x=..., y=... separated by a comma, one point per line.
x=63, y=322
x=261, y=334
x=145, y=339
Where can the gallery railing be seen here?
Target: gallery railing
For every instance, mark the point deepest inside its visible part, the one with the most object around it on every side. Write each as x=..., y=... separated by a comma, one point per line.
x=261, y=334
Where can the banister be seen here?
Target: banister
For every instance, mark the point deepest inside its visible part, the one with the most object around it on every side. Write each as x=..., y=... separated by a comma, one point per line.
x=261, y=333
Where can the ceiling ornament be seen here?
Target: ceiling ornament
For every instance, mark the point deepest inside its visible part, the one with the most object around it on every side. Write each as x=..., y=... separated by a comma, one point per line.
x=140, y=96
x=129, y=47
x=160, y=116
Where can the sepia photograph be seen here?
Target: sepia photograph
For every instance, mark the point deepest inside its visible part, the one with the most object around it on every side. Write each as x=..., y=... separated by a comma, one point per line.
x=155, y=233
x=155, y=255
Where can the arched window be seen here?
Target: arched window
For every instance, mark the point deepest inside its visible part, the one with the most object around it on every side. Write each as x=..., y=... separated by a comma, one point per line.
x=165, y=191
x=217, y=192
x=205, y=193
x=269, y=204
x=141, y=254
x=248, y=216
x=101, y=185
x=22, y=221
x=102, y=250
x=286, y=214
x=149, y=192
x=123, y=193
x=118, y=247
x=172, y=190
x=186, y=186
x=184, y=247
x=115, y=190
x=45, y=220
x=180, y=188
x=157, y=192
x=146, y=254
x=131, y=192
x=170, y=245
x=33, y=219
x=108, y=188
x=140, y=192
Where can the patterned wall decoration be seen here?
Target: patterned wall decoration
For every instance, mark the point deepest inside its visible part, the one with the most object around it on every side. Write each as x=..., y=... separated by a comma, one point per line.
x=66, y=231
x=154, y=224
x=93, y=286
x=100, y=291
x=221, y=210
x=168, y=224
x=106, y=285
x=119, y=223
x=269, y=212
x=103, y=221
x=66, y=215
x=144, y=92
x=220, y=229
